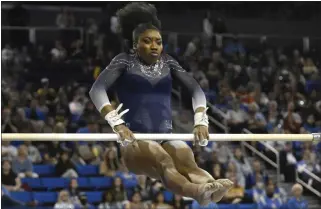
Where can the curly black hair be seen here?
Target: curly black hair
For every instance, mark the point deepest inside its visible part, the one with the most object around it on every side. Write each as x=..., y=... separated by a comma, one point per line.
x=137, y=17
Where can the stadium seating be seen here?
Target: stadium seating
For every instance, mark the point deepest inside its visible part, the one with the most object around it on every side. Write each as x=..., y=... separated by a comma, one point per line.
x=45, y=197
x=22, y=196
x=87, y=170
x=44, y=170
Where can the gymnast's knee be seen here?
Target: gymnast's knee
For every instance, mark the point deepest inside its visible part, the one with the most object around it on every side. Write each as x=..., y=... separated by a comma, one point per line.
x=165, y=163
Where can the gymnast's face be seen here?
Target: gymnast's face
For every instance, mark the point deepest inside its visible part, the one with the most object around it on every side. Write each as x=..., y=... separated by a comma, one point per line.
x=150, y=46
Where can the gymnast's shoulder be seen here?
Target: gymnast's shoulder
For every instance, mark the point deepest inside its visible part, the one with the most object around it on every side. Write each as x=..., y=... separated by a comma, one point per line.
x=121, y=57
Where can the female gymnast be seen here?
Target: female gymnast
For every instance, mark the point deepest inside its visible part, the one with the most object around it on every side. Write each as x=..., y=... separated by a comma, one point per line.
x=143, y=83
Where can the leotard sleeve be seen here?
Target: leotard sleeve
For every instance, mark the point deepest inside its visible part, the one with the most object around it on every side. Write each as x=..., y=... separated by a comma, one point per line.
x=98, y=91
x=187, y=80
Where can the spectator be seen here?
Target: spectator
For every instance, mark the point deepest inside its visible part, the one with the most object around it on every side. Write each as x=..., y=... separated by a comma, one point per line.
x=118, y=190
x=90, y=152
x=65, y=19
x=21, y=121
x=288, y=163
x=310, y=125
x=241, y=162
x=7, y=55
x=256, y=176
x=33, y=152
x=212, y=160
x=144, y=187
x=54, y=149
x=159, y=202
x=273, y=116
x=58, y=53
x=256, y=120
x=235, y=194
x=42, y=105
x=207, y=25
x=259, y=188
x=33, y=112
x=192, y=47
x=236, y=117
x=8, y=152
x=232, y=171
x=83, y=202
x=65, y=168
x=64, y=201
x=178, y=202
x=217, y=171
x=109, y=201
x=223, y=152
x=9, y=179
x=136, y=202
x=22, y=165
x=296, y=202
x=309, y=67
x=307, y=162
x=23, y=56
x=74, y=191
x=110, y=164
x=292, y=120
x=271, y=200
x=7, y=125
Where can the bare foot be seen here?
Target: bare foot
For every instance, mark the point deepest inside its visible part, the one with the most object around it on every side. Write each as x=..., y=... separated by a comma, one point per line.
x=205, y=192
x=219, y=194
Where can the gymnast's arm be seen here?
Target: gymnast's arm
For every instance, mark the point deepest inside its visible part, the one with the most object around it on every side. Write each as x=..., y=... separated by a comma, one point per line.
x=198, y=96
x=98, y=91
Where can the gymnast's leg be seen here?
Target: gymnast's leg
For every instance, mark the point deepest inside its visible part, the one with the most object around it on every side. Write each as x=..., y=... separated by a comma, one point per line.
x=184, y=161
x=149, y=158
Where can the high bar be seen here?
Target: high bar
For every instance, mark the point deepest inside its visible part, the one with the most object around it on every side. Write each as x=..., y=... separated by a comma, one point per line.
x=158, y=137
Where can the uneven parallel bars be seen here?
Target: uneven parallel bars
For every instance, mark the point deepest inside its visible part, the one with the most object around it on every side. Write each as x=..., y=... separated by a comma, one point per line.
x=158, y=137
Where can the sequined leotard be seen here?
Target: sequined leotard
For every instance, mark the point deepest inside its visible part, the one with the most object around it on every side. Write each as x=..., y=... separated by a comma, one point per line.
x=145, y=91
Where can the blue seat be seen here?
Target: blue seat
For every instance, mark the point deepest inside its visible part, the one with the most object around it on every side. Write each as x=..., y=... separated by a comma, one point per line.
x=45, y=197
x=22, y=196
x=87, y=170
x=44, y=170
x=247, y=206
x=34, y=183
x=94, y=197
x=226, y=206
x=55, y=183
x=83, y=182
x=101, y=182
x=168, y=196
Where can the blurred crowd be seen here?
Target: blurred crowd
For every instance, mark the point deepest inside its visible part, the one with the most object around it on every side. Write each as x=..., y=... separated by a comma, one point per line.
x=262, y=90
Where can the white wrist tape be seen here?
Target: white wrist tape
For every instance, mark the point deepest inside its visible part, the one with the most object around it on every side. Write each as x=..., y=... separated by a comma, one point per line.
x=201, y=119
x=114, y=119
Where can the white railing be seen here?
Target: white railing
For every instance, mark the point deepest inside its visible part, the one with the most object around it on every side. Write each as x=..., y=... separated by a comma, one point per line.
x=307, y=185
x=276, y=164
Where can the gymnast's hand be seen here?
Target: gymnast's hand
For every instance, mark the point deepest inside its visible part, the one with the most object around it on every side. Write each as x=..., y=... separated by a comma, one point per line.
x=125, y=135
x=201, y=134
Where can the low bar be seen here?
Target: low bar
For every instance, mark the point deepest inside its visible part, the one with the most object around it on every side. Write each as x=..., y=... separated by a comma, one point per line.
x=158, y=137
